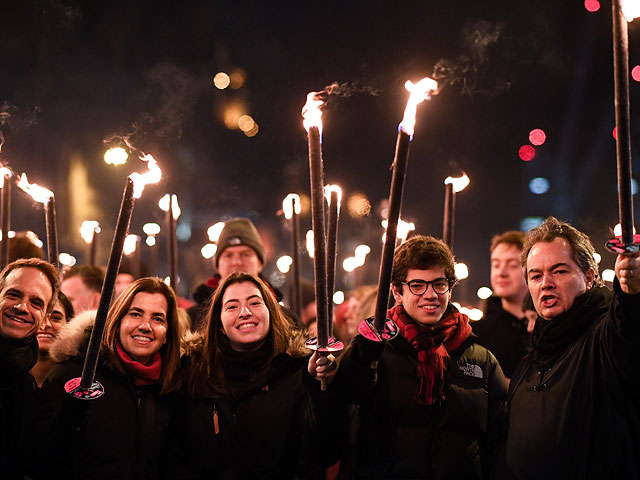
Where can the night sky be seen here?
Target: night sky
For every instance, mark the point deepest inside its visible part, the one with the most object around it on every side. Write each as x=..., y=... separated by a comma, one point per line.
x=76, y=74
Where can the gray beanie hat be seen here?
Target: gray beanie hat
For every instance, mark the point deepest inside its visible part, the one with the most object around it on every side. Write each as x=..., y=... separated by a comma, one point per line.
x=240, y=231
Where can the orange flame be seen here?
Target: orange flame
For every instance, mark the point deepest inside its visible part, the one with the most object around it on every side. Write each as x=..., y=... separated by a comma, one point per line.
x=4, y=172
x=630, y=9
x=140, y=180
x=311, y=111
x=333, y=188
x=38, y=193
x=418, y=93
x=459, y=183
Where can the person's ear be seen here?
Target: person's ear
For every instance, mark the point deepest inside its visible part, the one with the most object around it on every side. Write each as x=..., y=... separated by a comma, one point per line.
x=397, y=294
x=591, y=278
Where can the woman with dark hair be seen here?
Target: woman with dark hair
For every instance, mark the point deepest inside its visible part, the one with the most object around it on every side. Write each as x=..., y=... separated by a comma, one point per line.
x=120, y=434
x=253, y=409
x=61, y=314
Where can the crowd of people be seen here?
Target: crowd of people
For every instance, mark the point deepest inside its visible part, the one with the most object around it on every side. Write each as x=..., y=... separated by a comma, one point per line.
x=543, y=387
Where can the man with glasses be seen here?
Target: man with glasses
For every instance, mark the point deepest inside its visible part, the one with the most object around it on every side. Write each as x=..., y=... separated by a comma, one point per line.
x=433, y=403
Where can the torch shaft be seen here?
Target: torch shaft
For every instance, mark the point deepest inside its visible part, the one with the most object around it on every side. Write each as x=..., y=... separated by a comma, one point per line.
x=449, y=216
x=172, y=246
x=623, y=123
x=52, y=231
x=115, y=256
x=5, y=222
x=332, y=251
x=296, y=294
x=319, y=238
x=395, y=205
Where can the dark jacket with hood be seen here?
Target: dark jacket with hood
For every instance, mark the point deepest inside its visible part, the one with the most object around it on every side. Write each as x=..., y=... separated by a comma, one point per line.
x=461, y=438
x=574, y=399
x=268, y=428
x=119, y=435
x=17, y=404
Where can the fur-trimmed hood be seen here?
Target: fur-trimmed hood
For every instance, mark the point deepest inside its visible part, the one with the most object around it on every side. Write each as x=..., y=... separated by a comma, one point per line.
x=73, y=337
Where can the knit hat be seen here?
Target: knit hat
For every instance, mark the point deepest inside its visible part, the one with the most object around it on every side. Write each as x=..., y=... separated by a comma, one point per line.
x=240, y=231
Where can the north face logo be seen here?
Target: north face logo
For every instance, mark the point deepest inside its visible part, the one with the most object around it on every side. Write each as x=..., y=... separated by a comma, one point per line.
x=471, y=370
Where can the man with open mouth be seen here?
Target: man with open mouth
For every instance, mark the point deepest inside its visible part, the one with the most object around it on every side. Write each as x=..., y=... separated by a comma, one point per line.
x=574, y=413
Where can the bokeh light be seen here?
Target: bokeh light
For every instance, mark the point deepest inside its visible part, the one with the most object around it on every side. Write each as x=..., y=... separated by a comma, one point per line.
x=237, y=79
x=634, y=186
x=461, y=270
x=209, y=250
x=214, y=231
x=253, y=131
x=592, y=5
x=221, y=80
x=539, y=185
x=66, y=259
x=537, y=137
x=284, y=263
x=338, y=297
x=484, y=293
x=358, y=205
x=116, y=156
x=526, y=153
x=635, y=73
x=597, y=257
x=608, y=275
x=151, y=241
x=246, y=123
x=527, y=223
x=615, y=133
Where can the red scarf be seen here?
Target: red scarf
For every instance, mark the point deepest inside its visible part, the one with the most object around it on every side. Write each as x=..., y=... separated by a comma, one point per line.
x=433, y=344
x=142, y=374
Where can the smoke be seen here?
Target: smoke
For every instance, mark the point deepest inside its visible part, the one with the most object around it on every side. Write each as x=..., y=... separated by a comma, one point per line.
x=347, y=89
x=480, y=42
x=13, y=120
x=174, y=92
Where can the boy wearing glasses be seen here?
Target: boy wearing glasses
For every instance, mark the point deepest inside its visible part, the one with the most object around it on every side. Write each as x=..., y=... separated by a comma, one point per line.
x=432, y=402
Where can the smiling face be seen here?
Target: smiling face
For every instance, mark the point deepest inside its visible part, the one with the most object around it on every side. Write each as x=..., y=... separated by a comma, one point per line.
x=429, y=307
x=51, y=326
x=507, y=280
x=23, y=302
x=244, y=317
x=555, y=279
x=143, y=329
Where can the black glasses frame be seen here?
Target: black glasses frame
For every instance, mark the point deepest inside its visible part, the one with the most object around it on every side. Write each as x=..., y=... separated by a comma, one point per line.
x=421, y=286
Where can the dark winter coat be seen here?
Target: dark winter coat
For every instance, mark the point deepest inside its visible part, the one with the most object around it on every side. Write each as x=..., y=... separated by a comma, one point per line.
x=119, y=435
x=504, y=334
x=574, y=399
x=269, y=431
x=463, y=438
x=17, y=405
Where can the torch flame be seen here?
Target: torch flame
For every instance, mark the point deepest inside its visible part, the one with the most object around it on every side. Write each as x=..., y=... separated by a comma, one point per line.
x=630, y=9
x=130, y=244
x=39, y=194
x=311, y=111
x=141, y=179
x=175, y=208
x=288, y=209
x=459, y=183
x=4, y=172
x=88, y=229
x=333, y=188
x=418, y=93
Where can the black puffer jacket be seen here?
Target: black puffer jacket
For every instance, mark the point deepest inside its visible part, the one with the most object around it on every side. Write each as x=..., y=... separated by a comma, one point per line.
x=461, y=439
x=17, y=405
x=271, y=430
x=574, y=399
x=119, y=435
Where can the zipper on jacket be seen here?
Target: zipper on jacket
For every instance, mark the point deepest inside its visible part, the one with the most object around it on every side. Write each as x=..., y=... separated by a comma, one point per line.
x=541, y=385
x=216, y=424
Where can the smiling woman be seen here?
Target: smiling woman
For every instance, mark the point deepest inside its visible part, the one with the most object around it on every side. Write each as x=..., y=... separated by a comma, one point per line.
x=253, y=406
x=138, y=361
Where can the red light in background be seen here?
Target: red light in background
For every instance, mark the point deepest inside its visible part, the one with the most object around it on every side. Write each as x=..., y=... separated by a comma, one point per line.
x=527, y=153
x=615, y=133
x=592, y=5
x=537, y=137
x=635, y=73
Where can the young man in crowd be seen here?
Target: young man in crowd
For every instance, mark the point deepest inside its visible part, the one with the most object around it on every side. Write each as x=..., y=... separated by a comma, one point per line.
x=574, y=399
x=503, y=329
x=82, y=284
